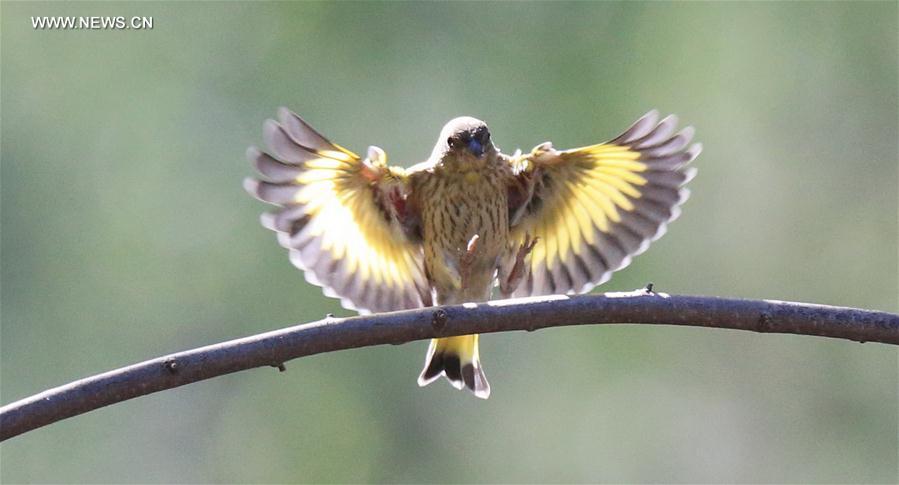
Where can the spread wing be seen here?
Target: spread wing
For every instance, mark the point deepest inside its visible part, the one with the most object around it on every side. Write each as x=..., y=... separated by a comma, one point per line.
x=343, y=219
x=594, y=208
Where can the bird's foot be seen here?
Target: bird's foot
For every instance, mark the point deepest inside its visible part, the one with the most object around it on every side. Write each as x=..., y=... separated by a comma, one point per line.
x=467, y=259
x=519, y=269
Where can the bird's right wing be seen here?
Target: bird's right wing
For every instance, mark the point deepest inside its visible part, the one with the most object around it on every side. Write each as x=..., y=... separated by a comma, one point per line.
x=344, y=220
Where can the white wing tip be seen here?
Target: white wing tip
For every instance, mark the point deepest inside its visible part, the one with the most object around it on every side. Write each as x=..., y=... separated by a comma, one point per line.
x=251, y=185
x=284, y=112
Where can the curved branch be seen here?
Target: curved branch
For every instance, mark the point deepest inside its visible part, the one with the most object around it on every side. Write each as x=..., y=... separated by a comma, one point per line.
x=276, y=347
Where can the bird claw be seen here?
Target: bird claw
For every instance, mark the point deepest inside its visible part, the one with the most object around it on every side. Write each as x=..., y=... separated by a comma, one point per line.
x=467, y=259
x=527, y=246
x=519, y=269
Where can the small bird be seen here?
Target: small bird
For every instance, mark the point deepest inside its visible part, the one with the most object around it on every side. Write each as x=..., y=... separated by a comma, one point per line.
x=469, y=218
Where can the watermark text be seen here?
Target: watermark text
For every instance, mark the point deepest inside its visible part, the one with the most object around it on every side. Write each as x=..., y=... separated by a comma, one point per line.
x=92, y=23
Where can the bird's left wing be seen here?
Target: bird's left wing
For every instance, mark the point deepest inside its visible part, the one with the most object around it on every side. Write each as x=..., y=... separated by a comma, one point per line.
x=344, y=220
x=594, y=208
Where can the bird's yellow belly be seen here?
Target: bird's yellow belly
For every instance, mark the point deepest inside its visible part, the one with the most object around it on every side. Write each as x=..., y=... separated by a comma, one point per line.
x=461, y=212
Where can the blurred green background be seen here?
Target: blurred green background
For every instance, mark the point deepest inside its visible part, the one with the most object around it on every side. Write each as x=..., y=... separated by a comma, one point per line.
x=126, y=235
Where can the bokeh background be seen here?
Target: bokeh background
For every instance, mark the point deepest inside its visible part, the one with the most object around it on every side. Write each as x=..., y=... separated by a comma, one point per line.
x=126, y=235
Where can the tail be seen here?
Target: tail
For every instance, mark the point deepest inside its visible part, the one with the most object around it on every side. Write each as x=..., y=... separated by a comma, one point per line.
x=457, y=359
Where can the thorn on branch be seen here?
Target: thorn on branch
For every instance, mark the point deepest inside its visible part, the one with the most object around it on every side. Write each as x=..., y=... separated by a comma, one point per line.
x=765, y=323
x=281, y=367
x=648, y=288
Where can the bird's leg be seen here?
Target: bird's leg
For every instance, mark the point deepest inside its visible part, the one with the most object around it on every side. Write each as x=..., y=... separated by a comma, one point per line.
x=519, y=270
x=467, y=259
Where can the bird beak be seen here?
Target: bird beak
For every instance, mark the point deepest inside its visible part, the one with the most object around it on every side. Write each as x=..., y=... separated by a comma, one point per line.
x=475, y=147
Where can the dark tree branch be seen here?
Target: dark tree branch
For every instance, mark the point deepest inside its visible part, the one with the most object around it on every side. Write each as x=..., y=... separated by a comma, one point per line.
x=276, y=347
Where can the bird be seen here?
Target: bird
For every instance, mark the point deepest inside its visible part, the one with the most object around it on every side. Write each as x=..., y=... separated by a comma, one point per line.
x=469, y=219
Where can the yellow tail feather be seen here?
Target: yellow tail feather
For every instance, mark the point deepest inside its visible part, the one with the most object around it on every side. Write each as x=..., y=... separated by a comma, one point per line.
x=456, y=358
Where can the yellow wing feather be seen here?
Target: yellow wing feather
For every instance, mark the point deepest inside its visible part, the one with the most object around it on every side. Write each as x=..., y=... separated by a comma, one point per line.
x=594, y=208
x=335, y=217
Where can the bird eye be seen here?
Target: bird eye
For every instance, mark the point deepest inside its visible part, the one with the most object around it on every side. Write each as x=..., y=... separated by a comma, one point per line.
x=451, y=142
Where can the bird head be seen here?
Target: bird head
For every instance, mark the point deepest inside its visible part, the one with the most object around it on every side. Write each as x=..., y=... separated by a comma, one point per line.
x=464, y=139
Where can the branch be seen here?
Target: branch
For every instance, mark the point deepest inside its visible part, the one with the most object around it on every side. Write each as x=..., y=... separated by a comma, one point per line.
x=276, y=347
